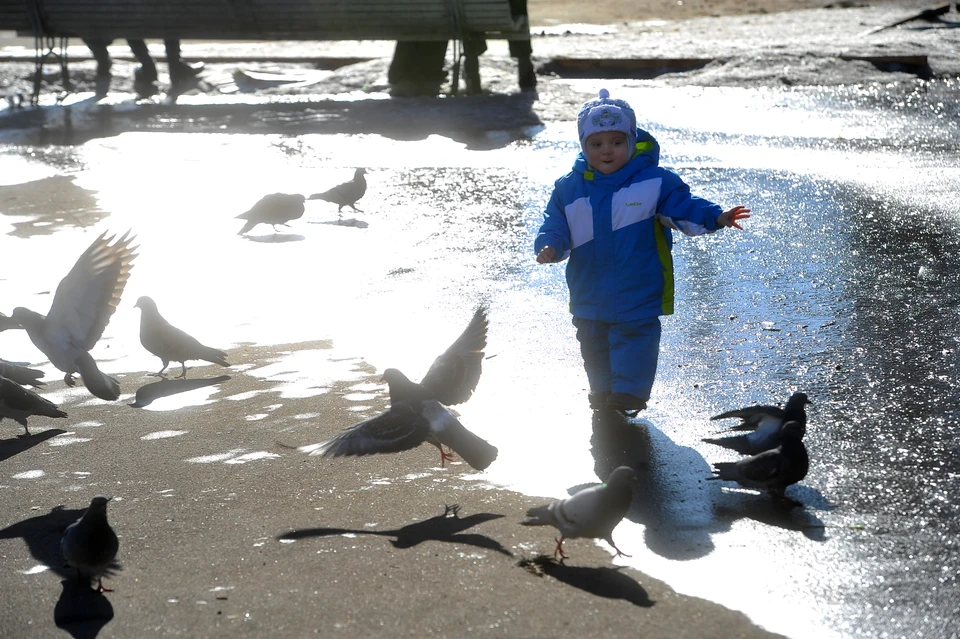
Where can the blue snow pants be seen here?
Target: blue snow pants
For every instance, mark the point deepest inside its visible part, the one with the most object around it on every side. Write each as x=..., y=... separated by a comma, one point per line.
x=621, y=357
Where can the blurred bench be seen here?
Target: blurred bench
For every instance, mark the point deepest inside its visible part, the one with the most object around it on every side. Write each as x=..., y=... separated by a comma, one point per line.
x=420, y=20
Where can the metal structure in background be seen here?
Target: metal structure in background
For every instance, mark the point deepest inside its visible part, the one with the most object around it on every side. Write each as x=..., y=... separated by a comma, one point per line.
x=43, y=46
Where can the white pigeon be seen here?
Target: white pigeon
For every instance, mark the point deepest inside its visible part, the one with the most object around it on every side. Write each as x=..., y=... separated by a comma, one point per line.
x=89, y=544
x=82, y=306
x=592, y=512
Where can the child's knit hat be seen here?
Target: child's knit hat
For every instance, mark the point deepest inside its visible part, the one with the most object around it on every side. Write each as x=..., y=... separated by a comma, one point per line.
x=606, y=114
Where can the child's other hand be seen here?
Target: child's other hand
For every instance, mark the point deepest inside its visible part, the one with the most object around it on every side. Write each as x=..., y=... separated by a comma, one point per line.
x=729, y=218
x=546, y=255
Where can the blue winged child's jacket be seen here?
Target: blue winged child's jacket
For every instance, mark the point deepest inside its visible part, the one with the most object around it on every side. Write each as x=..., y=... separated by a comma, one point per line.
x=615, y=229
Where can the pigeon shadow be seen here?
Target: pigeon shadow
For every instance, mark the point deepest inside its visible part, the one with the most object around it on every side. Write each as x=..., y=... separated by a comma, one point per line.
x=446, y=527
x=42, y=535
x=747, y=504
x=81, y=610
x=148, y=393
x=604, y=581
x=671, y=498
x=276, y=238
x=11, y=447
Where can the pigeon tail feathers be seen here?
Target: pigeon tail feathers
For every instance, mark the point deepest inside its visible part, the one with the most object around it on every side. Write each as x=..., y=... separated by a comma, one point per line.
x=97, y=382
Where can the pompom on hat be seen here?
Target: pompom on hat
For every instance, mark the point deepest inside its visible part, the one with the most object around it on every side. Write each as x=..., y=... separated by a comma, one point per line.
x=606, y=114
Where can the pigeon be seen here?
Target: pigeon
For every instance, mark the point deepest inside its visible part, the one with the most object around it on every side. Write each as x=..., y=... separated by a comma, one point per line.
x=417, y=412
x=81, y=309
x=772, y=470
x=407, y=425
x=21, y=374
x=592, y=512
x=169, y=343
x=89, y=544
x=273, y=209
x=19, y=403
x=764, y=422
x=345, y=194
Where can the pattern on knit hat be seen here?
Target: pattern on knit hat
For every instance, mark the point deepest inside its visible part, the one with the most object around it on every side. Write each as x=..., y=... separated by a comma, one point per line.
x=606, y=114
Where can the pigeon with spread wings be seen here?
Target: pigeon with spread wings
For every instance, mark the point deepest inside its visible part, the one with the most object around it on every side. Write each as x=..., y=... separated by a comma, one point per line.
x=417, y=413
x=82, y=306
x=762, y=425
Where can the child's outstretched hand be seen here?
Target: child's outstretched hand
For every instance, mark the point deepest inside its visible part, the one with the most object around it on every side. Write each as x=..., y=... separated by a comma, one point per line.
x=729, y=218
x=546, y=254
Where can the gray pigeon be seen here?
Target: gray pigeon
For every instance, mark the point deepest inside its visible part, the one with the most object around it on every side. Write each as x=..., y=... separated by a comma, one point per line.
x=416, y=412
x=345, y=194
x=82, y=306
x=592, y=512
x=21, y=374
x=273, y=209
x=764, y=424
x=169, y=343
x=19, y=403
x=772, y=470
x=407, y=425
x=89, y=544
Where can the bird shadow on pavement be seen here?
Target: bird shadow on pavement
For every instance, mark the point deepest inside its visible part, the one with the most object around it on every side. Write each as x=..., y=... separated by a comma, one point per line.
x=671, y=499
x=11, y=447
x=80, y=610
x=744, y=503
x=275, y=238
x=148, y=393
x=447, y=527
x=603, y=581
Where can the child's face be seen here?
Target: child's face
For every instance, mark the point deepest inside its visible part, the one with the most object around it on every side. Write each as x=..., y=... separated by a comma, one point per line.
x=607, y=151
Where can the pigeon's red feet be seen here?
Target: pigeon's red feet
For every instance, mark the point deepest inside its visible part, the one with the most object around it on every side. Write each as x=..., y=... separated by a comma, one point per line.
x=444, y=458
x=559, y=549
x=100, y=587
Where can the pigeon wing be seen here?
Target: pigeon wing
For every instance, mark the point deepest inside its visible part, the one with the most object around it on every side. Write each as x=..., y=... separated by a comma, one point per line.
x=401, y=428
x=88, y=296
x=454, y=375
x=762, y=469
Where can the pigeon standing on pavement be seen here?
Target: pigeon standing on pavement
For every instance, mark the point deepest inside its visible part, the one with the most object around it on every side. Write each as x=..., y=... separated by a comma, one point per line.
x=417, y=413
x=772, y=470
x=273, y=209
x=345, y=194
x=19, y=403
x=82, y=306
x=169, y=343
x=764, y=424
x=89, y=544
x=592, y=512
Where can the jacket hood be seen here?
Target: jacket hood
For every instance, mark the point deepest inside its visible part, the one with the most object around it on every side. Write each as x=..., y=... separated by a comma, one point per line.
x=646, y=154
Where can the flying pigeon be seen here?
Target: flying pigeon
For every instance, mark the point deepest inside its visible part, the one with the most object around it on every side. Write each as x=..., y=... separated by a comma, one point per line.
x=89, y=544
x=169, y=343
x=407, y=425
x=21, y=374
x=273, y=209
x=772, y=470
x=345, y=194
x=81, y=309
x=592, y=512
x=417, y=412
x=19, y=403
x=764, y=422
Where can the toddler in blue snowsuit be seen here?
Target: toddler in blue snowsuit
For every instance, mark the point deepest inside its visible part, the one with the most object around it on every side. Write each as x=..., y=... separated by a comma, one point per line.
x=612, y=217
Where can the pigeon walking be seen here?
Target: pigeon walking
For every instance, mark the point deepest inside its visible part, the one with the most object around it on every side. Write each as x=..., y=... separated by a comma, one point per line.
x=417, y=412
x=89, y=544
x=169, y=343
x=772, y=470
x=592, y=512
x=345, y=194
x=764, y=424
x=82, y=306
x=19, y=403
x=273, y=209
